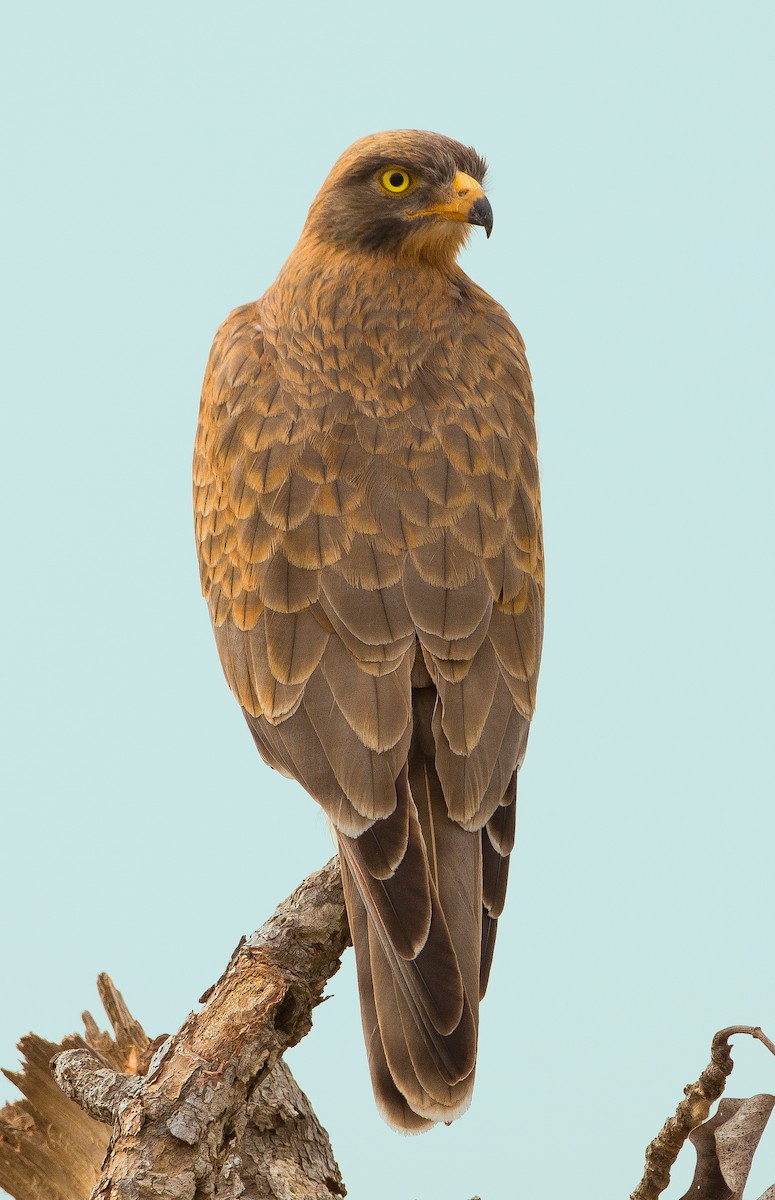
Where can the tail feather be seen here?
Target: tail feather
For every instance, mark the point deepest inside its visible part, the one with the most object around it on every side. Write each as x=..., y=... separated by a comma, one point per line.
x=390, y=1101
x=423, y=897
x=431, y=978
x=454, y=859
x=497, y=844
x=421, y=1063
x=419, y=1010
x=489, y=932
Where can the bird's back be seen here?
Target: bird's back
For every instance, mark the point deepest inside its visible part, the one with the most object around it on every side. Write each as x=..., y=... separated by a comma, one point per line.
x=368, y=523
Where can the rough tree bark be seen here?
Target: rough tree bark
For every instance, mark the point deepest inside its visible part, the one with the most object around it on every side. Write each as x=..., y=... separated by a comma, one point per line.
x=211, y=1111
x=214, y=1112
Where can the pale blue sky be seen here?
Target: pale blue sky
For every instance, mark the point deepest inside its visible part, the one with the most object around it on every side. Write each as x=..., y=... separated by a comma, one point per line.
x=161, y=159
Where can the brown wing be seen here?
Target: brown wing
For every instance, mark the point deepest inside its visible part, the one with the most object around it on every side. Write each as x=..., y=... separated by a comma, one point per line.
x=375, y=583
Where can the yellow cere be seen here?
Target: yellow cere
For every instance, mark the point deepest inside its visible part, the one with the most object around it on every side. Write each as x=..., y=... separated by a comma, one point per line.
x=395, y=180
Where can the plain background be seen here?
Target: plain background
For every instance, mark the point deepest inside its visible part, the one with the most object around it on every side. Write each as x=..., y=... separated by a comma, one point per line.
x=159, y=163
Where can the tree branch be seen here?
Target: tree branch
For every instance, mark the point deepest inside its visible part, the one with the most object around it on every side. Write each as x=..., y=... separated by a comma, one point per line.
x=691, y=1112
x=96, y=1088
x=215, y=1112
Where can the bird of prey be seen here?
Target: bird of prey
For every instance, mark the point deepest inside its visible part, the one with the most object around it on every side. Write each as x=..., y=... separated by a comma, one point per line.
x=369, y=536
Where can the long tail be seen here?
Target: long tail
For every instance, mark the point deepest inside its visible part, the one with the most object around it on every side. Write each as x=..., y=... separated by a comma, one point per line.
x=413, y=887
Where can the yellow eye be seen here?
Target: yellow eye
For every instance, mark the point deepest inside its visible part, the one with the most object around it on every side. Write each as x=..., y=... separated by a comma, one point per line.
x=395, y=180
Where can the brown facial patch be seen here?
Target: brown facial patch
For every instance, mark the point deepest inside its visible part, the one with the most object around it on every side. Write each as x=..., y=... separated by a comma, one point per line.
x=352, y=209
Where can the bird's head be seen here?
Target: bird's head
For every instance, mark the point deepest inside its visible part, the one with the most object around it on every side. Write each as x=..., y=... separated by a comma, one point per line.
x=406, y=192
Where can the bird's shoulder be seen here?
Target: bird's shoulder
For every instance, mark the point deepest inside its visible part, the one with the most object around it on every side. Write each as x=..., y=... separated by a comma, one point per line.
x=304, y=478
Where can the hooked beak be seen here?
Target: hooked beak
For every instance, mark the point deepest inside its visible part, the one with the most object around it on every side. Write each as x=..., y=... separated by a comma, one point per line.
x=467, y=203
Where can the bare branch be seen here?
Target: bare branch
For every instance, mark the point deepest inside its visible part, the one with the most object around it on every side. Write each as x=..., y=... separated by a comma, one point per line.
x=691, y=1112
x=217, y=1109
x=178, y=1135
x=753, y=1031
x=96, y=1088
